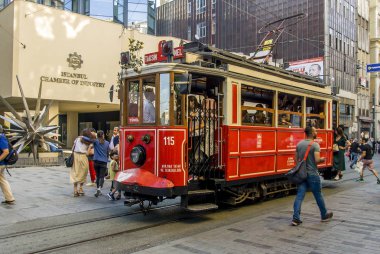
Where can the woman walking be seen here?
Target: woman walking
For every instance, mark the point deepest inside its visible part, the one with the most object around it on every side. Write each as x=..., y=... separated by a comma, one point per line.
x=79, y=170
x=101, y=149
x=339, y=160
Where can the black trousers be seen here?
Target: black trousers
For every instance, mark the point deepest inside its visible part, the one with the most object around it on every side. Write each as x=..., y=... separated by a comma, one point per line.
x=100, y=170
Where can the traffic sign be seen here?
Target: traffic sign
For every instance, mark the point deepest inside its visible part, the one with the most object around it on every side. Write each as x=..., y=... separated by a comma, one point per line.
x=373, y=67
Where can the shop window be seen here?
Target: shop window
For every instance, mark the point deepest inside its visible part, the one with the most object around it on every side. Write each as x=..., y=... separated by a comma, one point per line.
x=256, y=106
x=134, y=103
x=149, y=100
x=164, y=98
x=315, y=113
x=289, y=110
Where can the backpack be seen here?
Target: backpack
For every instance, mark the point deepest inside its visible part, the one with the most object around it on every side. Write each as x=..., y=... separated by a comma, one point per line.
x=12, y=157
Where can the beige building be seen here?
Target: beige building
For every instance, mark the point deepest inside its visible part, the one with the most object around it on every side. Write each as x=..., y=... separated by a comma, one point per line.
x=75, y=57
x=375, y=58
x=363, y=89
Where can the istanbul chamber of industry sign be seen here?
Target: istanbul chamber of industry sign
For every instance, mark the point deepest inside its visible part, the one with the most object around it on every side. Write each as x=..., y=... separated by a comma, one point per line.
x=75, y=61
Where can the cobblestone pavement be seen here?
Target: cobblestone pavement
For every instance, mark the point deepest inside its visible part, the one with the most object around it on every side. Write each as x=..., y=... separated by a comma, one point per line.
x=355, y=228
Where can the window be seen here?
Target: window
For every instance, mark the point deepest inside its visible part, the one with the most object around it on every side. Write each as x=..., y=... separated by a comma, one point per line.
x=201, y=29
x=189, y=33
x=289, y=110
x=213, y=25
x=164, y=98
x=200, y=6
x=256, y=106
x=315, y=113
x=149, y=100
x=134, y=102
x=189, y=7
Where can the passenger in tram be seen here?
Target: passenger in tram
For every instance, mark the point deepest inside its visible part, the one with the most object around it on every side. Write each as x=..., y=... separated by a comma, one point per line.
x=149, y=108
x=259, y=116
x=285, y=119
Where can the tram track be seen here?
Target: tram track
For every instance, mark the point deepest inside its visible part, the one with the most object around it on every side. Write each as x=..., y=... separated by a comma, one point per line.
x=82, y=222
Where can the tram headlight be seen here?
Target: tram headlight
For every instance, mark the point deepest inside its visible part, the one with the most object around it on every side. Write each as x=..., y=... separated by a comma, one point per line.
x=138, y=155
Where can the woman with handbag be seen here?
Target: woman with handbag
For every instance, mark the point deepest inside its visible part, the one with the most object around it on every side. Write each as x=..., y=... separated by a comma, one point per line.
x=339, y=148
x=79, y=169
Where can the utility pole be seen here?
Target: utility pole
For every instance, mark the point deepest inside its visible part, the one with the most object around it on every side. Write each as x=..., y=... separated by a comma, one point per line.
x=125, y=13
x=374, y=115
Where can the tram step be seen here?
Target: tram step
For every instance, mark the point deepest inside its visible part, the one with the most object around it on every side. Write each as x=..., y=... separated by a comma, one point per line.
x=202, y=192
x=201, y=207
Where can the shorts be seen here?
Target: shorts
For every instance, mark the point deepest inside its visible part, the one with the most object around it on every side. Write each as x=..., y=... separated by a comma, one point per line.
x=369, y=164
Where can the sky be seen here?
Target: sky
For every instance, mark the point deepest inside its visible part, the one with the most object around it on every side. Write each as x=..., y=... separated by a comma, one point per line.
x=104, y=9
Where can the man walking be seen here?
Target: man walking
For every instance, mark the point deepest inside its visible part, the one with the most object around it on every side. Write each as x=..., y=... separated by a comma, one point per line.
x=366, y=157
x=354, y=152
x=313, y=181
x=5, y=187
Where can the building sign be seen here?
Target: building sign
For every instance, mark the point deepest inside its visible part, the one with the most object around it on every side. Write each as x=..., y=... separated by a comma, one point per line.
x=312, y=67
x=71, y=78
x=158, y=57
x=373, y=67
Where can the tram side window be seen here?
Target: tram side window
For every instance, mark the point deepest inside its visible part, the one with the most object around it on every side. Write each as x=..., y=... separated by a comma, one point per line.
x=149, y=101
x=134, y=103
x=256, y=106
x=315, y=113
x=164, y=98
x=289, y=110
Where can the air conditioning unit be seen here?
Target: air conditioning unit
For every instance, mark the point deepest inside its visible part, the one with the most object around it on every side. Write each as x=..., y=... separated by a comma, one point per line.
x=335, y=90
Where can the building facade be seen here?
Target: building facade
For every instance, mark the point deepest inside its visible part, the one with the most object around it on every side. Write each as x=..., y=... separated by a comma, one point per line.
x=77, y=66
x=375, y=58
x=363, y=108
x=326, y=37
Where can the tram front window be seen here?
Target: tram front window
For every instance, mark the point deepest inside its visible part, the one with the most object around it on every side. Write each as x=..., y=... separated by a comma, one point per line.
x=134, y=103
x=149, y=101
x=289, y=110
x=164, y=98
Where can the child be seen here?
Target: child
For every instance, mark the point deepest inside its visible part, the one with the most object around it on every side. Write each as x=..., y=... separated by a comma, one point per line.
x=113, y=169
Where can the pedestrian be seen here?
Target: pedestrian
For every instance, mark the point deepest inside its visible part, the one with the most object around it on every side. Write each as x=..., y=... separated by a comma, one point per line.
x=339, y=160
x=91, y=168
x=79, y=170
x=4, y=184
x=113, y=169
x=366, y=158
x=101, y=149
x=313, y=180
x=114, y=142
x=355, y=150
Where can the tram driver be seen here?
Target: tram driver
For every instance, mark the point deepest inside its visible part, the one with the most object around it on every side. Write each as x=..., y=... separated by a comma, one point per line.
x=149, y=108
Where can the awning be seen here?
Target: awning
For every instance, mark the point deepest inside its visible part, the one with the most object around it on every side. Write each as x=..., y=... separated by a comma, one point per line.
x=365, y=119
x=347, y=101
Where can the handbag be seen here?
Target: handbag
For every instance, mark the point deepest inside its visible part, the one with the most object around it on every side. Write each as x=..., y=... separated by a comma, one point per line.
x=335, y=148
x=359, y=167
x=298, y=173
x=69, y=161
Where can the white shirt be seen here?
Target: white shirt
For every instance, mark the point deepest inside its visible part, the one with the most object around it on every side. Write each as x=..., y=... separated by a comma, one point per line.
x=149, y=112
x=79, y=146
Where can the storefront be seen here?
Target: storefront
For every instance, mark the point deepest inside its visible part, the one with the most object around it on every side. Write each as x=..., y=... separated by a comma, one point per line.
x=74, y=57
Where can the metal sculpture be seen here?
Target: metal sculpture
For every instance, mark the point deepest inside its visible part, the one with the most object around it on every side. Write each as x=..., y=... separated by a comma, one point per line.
x=31, y=130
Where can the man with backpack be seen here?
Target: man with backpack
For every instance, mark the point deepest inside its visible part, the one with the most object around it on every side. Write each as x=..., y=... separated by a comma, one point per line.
x=366, y=158
x=4, y=152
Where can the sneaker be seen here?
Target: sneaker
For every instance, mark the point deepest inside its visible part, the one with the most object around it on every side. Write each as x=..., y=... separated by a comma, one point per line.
x=360, y=180
x=378, y=181
x=110, y=196
x=296, y=222
x=98, y=193
x=327, y=217
x=8, y=202
x=337, y=178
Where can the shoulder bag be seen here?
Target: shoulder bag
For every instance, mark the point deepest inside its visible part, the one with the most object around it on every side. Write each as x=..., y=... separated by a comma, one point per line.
x=298, y=173
x=69, y=161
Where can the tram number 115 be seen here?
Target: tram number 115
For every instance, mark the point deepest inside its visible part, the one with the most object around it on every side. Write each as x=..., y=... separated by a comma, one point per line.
x=169, y=141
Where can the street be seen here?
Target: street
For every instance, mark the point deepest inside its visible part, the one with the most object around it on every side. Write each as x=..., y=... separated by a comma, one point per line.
x=47, y=219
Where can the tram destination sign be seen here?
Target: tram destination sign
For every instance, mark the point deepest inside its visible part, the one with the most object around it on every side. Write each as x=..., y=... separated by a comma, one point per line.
x=373, y=67
x=158, y=57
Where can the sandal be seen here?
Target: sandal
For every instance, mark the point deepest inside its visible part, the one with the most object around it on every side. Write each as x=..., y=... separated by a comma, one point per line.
x=81, y=192
x=76, y=194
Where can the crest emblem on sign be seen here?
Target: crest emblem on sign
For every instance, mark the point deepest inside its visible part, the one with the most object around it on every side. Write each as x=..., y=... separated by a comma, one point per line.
x=75, y=61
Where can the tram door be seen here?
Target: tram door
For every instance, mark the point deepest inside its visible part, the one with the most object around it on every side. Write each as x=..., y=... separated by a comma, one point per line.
x=335, y=113
x=203, y=126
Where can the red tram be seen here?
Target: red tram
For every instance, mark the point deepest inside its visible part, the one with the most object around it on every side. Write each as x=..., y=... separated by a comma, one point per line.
x=215, y=128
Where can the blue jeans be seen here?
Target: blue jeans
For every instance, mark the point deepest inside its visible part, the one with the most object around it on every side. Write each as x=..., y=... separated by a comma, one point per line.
x=314, y=183
x=354, y=159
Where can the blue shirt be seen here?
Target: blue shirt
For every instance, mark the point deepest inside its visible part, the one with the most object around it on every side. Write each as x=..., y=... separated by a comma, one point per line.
x=101, y=151
x=3, y=145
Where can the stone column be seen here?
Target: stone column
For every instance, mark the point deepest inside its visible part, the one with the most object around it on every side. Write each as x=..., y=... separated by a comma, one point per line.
x=53, y=111
x=72, y=128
